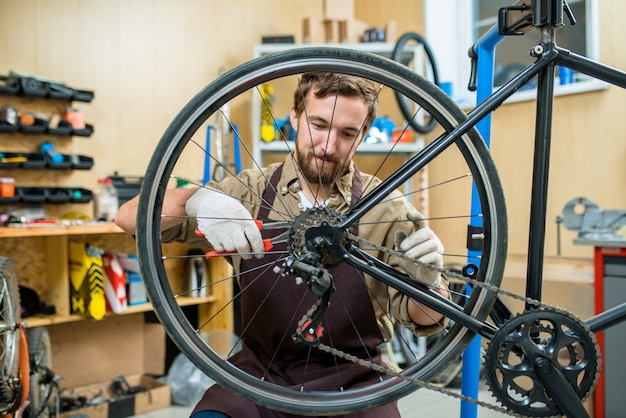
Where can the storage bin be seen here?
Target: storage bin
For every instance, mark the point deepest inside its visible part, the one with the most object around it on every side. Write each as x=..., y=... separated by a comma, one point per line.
x=127, y=186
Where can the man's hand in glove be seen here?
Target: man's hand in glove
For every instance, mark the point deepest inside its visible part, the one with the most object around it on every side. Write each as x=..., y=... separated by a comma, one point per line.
x=225, y=223
x=424, y=246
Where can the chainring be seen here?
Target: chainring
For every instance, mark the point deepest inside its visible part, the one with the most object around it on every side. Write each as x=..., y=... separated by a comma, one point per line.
x=557, y=336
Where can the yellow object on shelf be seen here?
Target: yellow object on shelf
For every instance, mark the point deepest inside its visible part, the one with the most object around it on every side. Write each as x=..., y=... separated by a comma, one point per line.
x=87, y=297
x=13, y=159
x=267, y=123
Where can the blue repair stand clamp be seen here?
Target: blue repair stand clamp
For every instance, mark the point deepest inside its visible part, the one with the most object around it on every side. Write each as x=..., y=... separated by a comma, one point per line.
x=485, y=51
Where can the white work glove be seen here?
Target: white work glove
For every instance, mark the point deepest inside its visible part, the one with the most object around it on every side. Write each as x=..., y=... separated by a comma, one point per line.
x=225, y=223
x=424, y=246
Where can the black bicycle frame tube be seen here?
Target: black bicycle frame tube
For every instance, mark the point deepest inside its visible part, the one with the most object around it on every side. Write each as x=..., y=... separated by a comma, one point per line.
x=541, y=169
x=420, y=293
x=591, y=68
x=543, y=129
x=607, y=318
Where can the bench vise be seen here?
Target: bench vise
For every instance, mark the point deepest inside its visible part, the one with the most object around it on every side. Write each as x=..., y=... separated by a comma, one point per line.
x=593, y=224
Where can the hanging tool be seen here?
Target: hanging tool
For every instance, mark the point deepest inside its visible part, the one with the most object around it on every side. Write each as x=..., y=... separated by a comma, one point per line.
x=222, y=131
x=222, y=128
x=220, y=170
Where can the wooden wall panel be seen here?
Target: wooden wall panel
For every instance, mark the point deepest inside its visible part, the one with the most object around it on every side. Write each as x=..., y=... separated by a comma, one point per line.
x=145, y=59
x=408, y=15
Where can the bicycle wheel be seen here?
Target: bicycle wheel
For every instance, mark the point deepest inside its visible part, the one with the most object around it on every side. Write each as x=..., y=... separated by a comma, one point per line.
x=43, y=395
x=9, y=335
x=443, y=175
x=427, y=124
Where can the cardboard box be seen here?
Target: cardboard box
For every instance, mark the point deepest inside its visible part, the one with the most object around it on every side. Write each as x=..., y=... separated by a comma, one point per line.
x=157, y=395
x=351, y=30
x=338, y=9
x=313, y=31
x=135, y=290
x=391, y=31
x=331, y=29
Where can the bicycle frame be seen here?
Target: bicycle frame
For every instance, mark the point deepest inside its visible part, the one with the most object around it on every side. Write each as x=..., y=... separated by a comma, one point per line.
x=549, y=55
x=544, y=68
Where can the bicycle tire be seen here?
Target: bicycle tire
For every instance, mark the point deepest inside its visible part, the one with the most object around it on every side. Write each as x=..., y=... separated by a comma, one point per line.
x=171, y=153
x=396, y=55
x=10, y=393
x=43, y=385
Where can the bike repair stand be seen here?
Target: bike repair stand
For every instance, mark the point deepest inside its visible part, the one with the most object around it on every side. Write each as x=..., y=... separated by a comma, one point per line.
x=599, y=228
x=470, y=379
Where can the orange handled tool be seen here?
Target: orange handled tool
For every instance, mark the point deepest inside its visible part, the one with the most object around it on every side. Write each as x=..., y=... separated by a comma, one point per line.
x=268, y=243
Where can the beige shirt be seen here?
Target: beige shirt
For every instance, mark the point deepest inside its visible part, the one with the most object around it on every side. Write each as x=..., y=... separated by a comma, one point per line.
x=378, y=225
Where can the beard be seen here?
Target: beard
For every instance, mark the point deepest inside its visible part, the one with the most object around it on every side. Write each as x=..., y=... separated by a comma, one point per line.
x=324, y=173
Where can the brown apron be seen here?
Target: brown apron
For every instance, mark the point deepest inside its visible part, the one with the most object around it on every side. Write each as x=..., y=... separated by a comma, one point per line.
x=268, y=321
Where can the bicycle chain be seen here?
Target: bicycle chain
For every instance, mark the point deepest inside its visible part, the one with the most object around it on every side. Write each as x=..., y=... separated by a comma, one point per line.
x=423, y=383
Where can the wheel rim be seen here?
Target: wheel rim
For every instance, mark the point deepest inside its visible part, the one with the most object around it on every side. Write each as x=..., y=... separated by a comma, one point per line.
x=40, y=359
x=171, y=151
x=9, y=335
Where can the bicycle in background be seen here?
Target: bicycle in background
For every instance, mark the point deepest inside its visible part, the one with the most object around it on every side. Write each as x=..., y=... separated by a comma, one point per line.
x=28, y=387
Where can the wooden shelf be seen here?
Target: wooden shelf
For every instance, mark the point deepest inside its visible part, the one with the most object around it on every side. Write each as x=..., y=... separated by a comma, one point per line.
x=91, y=351
x=41, y=321
x=45, y=230
x=40, y=252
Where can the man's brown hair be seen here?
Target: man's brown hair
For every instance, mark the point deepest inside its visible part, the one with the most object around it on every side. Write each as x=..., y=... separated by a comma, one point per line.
x=325, y=84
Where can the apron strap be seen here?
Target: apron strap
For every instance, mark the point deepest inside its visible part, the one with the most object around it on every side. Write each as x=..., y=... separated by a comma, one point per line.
x=269, y=194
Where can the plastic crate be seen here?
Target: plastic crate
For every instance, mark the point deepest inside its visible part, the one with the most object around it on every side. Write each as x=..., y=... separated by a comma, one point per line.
x=127, y=187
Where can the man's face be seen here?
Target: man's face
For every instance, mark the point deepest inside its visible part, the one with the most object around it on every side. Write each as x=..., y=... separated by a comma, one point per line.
x=325, y=145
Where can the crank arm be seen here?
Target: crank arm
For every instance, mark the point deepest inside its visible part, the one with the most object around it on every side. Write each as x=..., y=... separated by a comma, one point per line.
x=559, y=388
